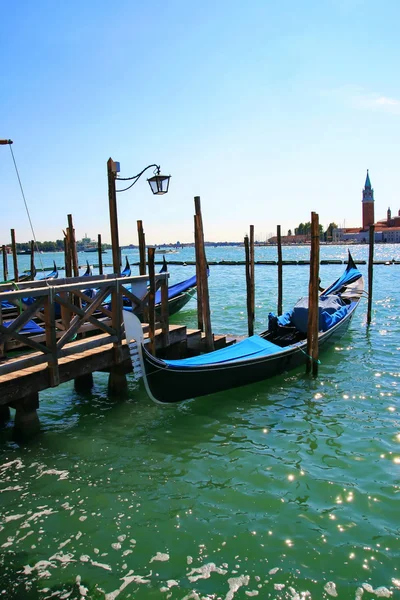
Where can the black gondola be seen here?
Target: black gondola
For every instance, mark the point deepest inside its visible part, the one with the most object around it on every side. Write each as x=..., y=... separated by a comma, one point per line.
x=281, y=348
x=179, y=294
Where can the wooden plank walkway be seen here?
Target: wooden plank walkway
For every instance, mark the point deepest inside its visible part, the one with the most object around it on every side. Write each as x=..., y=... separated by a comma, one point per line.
x=81, y=331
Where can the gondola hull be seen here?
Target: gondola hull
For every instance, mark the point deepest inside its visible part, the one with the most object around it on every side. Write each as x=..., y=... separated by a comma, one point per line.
x=168, y=386
x=279, y=349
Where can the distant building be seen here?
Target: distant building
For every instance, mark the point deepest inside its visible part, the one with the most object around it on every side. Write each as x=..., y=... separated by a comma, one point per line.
x=386, y=230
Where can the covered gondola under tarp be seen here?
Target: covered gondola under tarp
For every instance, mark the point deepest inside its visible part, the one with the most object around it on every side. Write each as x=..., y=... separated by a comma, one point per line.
x=281, y=348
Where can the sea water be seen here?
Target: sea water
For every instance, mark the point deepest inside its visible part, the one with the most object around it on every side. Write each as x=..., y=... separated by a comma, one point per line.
x=286, y=489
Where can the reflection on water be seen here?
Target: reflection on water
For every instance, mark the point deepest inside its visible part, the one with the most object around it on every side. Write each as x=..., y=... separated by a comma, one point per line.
x=281, y=490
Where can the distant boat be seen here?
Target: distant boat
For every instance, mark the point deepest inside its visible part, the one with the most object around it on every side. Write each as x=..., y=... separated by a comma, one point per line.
x=93, y=249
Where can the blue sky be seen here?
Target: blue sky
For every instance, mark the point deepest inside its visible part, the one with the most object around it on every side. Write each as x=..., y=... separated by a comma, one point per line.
x=267, y=110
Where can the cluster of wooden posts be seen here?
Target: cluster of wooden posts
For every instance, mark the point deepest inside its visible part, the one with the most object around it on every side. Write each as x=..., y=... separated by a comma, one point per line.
x=82, y=333
x=313, y=288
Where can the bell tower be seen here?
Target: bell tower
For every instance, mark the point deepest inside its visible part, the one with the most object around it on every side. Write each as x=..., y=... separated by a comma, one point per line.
x=368, y=209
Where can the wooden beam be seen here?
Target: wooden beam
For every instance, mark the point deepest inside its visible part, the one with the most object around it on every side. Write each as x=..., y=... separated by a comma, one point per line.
x=152, y=294
x=33, y=270
x=112, y=202
x=51, y=340
x=280, y=272
x=209, y=340
x=5, y=263
x=164, y=312
x=313, y=295
x=252, y=277
x=250, y=322
x=74, y=254
x=199, y=295
x=142, y=248
x=100, y=253
x=14, y=255
x=370, y=271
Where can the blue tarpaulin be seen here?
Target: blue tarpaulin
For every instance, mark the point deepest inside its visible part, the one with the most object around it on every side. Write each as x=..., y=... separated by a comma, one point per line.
x=252, y=347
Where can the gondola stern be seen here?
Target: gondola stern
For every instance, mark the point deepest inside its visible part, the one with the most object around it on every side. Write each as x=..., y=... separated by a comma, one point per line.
x=135, y=340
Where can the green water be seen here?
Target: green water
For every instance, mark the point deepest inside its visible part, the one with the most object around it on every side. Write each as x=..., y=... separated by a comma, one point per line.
x=285, y=490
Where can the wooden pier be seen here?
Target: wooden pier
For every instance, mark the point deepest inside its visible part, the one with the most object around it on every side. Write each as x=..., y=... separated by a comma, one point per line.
x=67, y=329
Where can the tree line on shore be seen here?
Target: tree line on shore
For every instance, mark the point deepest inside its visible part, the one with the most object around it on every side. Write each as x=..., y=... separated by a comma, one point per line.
x=305, y=229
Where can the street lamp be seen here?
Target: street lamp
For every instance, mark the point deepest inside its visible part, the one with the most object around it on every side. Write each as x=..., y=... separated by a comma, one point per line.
x=159, y=185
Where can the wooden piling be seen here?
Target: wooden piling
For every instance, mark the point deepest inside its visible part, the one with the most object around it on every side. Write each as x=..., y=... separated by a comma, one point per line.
x=370, y=271
x=112, y=202
x=152, y=296
x=250, y=313
x=5, y=263
x=199, y=292
x=313, y=312
x=51, y=339
x=164, y=317
x=280, y=269
x=84, y=383
x=117, y=382
x=100, y=254
x=33, y=270
x=209, y=339
x=67, y=253
x=252, y=277
x=72, y=240
x=26, y=420
x=14, y=255
x=142, y=249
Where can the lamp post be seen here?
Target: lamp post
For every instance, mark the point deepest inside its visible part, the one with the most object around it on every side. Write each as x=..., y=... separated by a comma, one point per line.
x=159, y=185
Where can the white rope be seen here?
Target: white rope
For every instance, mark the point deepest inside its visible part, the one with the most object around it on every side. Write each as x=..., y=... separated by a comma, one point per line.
x=27, y=210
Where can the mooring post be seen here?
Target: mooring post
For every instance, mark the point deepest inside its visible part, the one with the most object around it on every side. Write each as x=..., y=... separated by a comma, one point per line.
x=74, y=254
x=252, y=276
x=5, y=263
x=83, y=383
x=199, y=294
x=142, y=248
x=370, y=271
x=33, y=270
x=67, y=254
x=112, y=202
x=14, y=255
x=100, y=254
x=164, y=317
x=152, y=295
x=313, y=312
x=117, y=382
x=26, y=420
x=280, y=271
x=209, y=339
x=250, y=318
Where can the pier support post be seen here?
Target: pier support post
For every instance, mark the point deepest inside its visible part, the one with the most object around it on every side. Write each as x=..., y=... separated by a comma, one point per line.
x=313, y=314
x=117, y=382
x=26, y=422
x=4, y=414
x=83, y=383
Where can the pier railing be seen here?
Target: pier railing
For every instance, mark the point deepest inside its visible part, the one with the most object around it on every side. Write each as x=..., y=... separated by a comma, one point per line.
x=44, y=319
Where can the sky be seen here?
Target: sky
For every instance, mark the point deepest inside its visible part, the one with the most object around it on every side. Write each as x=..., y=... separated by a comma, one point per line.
x=268, y=110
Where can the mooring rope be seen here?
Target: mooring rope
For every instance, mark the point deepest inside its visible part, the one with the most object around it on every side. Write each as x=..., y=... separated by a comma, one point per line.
x=27, y=209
